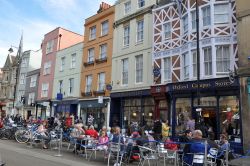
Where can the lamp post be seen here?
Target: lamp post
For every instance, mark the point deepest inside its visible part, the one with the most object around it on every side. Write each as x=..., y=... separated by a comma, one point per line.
x=18, y=60
x=198, y=52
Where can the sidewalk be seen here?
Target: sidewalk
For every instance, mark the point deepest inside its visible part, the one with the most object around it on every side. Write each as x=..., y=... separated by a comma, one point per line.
x=240, y=162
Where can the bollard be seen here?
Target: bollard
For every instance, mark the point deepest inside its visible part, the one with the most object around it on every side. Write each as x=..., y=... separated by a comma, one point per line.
x=60, y=145
x=31, y=138
x=205, y=155
x=118, y=153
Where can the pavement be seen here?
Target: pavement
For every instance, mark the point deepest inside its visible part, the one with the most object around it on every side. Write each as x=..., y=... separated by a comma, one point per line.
x=240, y=162
x=15, y=154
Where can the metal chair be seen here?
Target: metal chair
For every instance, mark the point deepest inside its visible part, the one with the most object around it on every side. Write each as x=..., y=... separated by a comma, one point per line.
x=147, y=154
x=116, y=153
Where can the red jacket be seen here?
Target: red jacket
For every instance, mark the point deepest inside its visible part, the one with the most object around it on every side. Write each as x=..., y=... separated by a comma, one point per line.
x=91, y=133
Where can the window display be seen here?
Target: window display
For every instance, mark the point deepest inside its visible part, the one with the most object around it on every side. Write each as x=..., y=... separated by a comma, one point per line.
x=230, y=117
x=183, y=112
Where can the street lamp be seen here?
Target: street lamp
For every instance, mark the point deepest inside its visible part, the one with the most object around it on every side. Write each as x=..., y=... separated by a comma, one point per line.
x=17, y=66
x=198, y=52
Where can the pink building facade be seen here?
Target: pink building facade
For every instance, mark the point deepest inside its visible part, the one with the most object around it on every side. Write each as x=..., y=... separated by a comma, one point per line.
x=53, y=41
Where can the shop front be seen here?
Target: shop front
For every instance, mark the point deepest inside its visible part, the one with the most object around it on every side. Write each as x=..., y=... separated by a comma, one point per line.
x=64, y=107
x=132, y=107
x=43, y=109
x=95, y=112
x=219, y=110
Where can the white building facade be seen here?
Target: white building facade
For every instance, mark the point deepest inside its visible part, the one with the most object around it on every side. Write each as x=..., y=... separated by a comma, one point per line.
x=132, y=62
x=66, y=87
x=30, y=60
x=174, y=54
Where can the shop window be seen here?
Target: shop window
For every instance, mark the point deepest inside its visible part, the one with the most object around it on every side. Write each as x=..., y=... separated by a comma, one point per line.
x=135, y=112
x=183, y=112
x=206, y=101
x=230, y=117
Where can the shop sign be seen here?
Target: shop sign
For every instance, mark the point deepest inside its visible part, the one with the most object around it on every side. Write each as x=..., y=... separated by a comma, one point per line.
x=59, y=96
x=157, y=72
x=100, y=99
x=204, y=84
x=109, y=87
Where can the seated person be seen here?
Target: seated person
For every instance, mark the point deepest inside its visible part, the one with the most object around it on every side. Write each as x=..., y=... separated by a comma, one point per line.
x=103, y=143
x=132, y=146
x=118, y=138
x=185, y=138
x=223, y=146
x=148, y=139
x=78, y=133
x=43, y=134
x=197, y=146
x=91, y=132
x=170, y=145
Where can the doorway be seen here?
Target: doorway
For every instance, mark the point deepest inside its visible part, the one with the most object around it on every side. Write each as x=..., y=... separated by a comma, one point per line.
x=206, y=121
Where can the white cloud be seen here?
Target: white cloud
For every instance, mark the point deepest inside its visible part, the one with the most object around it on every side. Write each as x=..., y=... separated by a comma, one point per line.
x=69, y=14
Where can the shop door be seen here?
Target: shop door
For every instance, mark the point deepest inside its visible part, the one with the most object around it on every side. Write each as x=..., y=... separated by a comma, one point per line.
x=206, y=121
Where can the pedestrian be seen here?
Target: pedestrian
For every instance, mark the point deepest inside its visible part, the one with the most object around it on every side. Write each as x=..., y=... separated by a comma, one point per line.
x=165, y=130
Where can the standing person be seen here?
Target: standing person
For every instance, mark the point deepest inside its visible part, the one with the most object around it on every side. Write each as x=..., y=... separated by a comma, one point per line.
x=157, y=130
x=90, y=120
x=190, y=124
x=165, y=130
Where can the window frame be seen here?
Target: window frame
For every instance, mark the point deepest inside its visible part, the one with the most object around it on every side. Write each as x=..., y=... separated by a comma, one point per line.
x=193, y=20
x=126, y=35
x=185, y=24
x=45, y=90
x=46, y=68
x=139, y=69
x=73, y=61
x=71, y=86
x=101, y=83
x=106, y=22
x=33, y=80
x=206, y=19
x=49, y=46
x=22, y=78
x=31, y=98
x=62, y=66
x=167, y=31
x=209, y=63
x=185, y=66
x=223, y=59
x=91, y=58
x=140, y=3
x=88, y=87
x=127, y=7
x=221, y=12
x=139, y=31
x=194, y=63
x=105, y=45
x=167, y=69
x=125, y=73
x=92, y=32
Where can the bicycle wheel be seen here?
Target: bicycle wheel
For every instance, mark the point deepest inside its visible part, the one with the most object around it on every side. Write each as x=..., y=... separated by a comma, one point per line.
x=22, y=136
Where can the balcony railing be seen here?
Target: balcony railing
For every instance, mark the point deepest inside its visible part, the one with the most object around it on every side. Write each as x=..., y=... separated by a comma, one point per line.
x=88, y=63
x=101, y=60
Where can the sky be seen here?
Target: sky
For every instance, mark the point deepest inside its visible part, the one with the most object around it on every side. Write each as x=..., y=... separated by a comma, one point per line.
x=34, y=18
